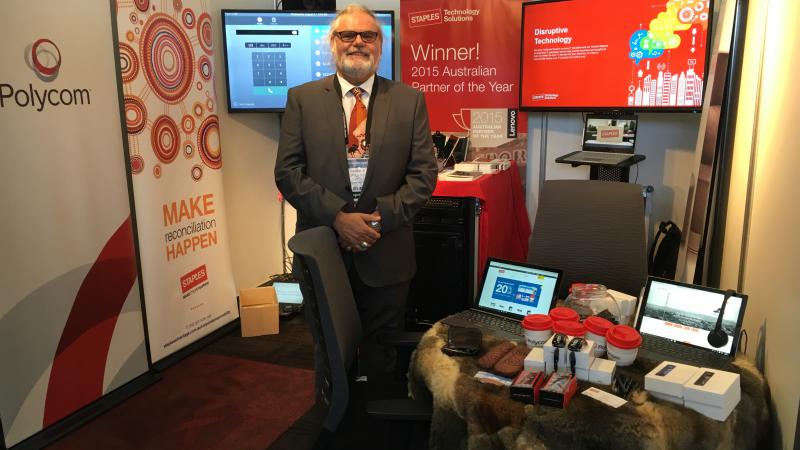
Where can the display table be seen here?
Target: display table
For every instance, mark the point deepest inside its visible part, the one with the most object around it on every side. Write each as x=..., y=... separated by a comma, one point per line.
x=474, y=415
x=504, y=228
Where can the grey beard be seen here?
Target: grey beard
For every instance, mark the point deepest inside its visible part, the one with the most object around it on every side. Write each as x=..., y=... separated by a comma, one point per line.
x=356, y=70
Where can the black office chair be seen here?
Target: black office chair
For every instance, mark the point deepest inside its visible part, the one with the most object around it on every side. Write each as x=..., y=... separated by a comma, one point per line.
x=594, y=231
x=336, y=327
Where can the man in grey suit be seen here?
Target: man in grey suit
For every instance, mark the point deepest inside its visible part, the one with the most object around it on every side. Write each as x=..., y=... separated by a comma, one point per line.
x=356, y=154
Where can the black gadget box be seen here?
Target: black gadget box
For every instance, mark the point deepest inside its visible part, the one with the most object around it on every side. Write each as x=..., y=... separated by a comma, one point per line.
x=463, y=341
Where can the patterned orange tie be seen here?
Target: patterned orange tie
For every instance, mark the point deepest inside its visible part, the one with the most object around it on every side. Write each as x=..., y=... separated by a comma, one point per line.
x=357, y=128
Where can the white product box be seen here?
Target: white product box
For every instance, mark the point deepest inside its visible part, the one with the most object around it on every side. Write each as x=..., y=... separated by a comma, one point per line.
x=669, y=398
x=583, y=359
x=668, y=378
x=535, y=360
x=627, y=306
x=712, y=392
x=720, y=414
x=602, y=371
x=477, y=166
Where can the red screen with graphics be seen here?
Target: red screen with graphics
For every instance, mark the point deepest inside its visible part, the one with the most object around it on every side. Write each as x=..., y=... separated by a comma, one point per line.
x=609, y=54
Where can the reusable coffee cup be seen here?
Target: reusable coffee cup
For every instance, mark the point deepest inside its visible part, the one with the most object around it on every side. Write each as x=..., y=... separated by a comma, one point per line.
x=564, y=313
x=596, y=329
x=569, y=327
x=538, y=328
x=623, y=344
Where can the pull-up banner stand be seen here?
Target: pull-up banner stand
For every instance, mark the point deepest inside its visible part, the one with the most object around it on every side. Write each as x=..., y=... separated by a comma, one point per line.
x=166, y=54
x=71, y=324
x=464, y=55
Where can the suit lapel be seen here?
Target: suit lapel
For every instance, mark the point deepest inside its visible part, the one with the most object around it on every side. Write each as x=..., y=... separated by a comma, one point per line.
x=335, y=124
x=380, y=117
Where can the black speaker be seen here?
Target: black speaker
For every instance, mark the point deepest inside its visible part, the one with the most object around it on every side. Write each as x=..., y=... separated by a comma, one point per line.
x=310, y=5
x=445, y=237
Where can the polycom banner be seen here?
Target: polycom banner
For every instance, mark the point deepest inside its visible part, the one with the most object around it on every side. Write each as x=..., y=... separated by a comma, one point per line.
x=464, y=55
x=602, y=54
x=166, y=58
x=71, y=325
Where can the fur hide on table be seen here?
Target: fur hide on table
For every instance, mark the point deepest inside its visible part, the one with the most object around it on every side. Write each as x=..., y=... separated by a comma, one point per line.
x=474, y=415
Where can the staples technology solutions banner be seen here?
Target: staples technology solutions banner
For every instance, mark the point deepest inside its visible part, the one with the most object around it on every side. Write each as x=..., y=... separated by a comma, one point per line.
x=464, y=55
x=166, y=58
x=71, y=326
x=585, y=54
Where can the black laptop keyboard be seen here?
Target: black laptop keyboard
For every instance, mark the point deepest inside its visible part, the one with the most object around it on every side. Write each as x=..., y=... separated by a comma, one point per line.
x=693, y=355
x=490, y=321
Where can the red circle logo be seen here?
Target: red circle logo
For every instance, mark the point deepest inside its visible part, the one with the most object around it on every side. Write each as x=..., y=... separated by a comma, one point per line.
x=46, y=57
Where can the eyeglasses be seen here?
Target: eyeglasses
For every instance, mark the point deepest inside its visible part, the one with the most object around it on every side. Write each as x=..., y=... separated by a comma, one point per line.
x=350, y=36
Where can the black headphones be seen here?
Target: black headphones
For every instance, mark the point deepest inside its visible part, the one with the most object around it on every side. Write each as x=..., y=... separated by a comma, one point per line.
x=716, y=337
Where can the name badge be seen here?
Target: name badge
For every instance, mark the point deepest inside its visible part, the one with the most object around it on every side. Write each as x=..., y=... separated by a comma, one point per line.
x=357, y=168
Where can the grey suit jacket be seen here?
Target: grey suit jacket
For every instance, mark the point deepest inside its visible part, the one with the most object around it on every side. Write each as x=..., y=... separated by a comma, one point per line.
x=311, y=169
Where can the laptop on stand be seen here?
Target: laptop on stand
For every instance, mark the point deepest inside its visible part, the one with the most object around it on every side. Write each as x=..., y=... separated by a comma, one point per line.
x=607, y=140
x=676, y=318
x=509, y=291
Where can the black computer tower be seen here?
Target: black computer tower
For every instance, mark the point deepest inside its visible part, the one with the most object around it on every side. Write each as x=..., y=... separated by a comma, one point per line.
x=446, y=241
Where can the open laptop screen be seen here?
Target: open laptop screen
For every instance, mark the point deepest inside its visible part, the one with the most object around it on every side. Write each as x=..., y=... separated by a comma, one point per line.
x=517, y=289
x=686, y=313
x=609, y=133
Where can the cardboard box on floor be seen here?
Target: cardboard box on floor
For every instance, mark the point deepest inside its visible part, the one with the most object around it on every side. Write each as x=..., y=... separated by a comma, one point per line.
x=258, y=311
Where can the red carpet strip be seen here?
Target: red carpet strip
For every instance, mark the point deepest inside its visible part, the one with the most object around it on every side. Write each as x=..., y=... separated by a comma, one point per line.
x=204, y=402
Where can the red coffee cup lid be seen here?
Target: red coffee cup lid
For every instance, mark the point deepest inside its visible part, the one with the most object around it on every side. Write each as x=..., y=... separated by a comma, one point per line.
x=537, y=322
x=624, y=337
x=569, y=327
x=564, y=313
x=597, y=325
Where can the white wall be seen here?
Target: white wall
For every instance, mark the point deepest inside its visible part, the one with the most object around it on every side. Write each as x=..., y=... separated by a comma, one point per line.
x=249, y=146
x=765, y=161
x=667, y=140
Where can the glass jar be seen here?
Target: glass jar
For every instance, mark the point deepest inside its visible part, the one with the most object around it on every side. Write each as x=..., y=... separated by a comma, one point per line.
x=588, y=299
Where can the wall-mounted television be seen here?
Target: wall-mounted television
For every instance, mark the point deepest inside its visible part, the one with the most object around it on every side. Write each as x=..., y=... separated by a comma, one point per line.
x=269, y=51
x=603, y=55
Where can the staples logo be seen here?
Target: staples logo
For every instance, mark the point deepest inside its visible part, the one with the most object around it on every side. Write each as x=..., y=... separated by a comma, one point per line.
x=609, y=133
x=425, y=18
x=44, y=59
x=193, y=278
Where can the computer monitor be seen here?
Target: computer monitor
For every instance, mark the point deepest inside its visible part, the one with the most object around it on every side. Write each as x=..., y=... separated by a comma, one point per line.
x=609, y=133
x=267, y=52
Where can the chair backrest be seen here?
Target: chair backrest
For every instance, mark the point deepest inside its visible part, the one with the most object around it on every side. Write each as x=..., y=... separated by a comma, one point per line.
x=337, y=326
x=594, y=231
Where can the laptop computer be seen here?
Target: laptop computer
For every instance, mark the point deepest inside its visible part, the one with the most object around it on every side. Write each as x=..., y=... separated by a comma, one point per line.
x=509, y=291
x=607, y=140
x=675, y=319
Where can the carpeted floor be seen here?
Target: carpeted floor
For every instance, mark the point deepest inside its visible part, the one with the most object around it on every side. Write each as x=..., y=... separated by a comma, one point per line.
x=205, y=401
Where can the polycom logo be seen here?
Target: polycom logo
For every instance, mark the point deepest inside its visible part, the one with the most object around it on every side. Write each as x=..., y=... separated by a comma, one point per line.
x=46, y=58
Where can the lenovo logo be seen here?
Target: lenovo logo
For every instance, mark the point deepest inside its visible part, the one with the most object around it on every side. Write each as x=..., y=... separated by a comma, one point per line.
x=424, y=18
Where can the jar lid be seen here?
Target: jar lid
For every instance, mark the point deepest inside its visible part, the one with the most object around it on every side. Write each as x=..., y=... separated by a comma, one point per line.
x=623, y=337
x=537, y=322
x=564, y=313
x=597, y=325
x=569, y=327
